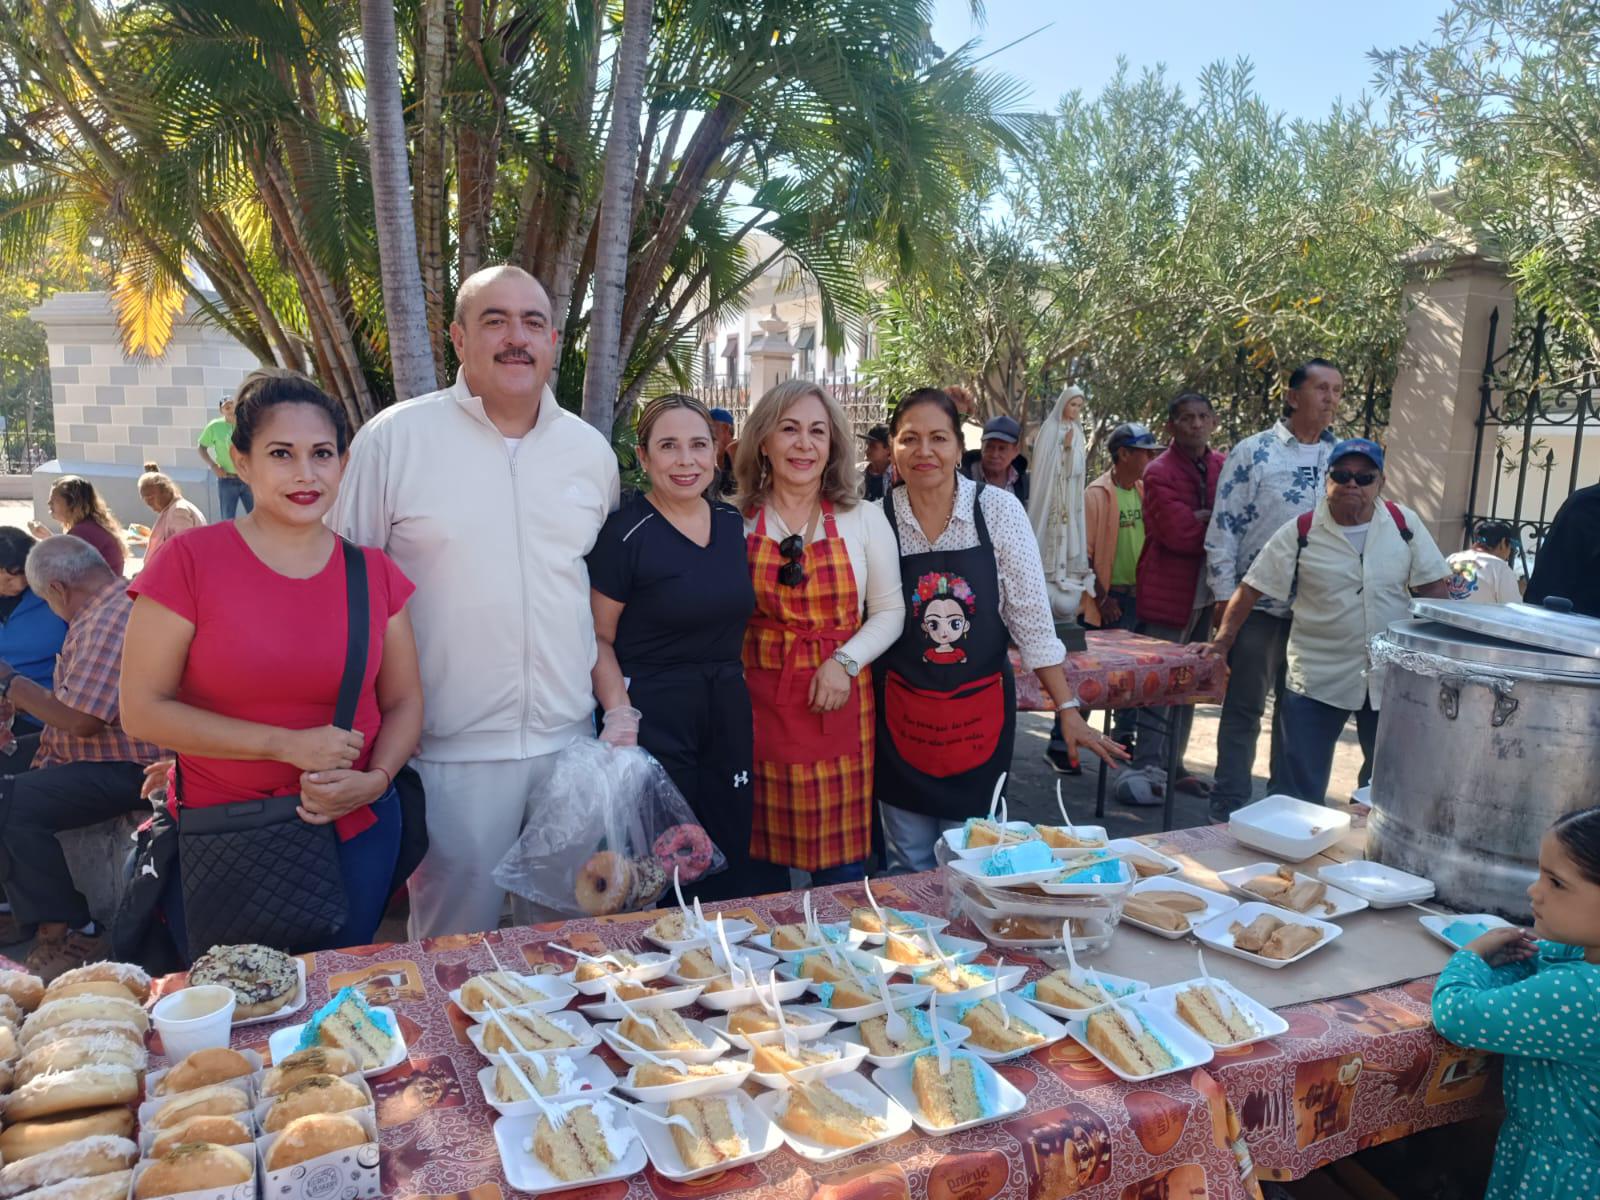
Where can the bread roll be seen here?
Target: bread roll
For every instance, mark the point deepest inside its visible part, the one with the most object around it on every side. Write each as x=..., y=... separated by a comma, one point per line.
x=218, y=1100
x=10, y=1010
x=76, y=1029
x=308, y=1137
x=27, y=990
x=103, y=1049
x=191, y=1167
x=133, y=979
x=66, y=1091
x=319, y=1094
x=219, y=1131
x=99, y=1187
x=10, y=1044
x=28, y=1138
x=303, y=1064
x=54, y=1013
x=202, y=1069
x=92, y=988
x=92, y=1156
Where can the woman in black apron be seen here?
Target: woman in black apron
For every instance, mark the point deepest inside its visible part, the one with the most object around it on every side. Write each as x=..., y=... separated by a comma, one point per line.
x=973, y=582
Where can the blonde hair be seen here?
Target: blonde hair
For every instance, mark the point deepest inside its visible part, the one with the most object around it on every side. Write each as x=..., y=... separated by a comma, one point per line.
x=158, y=480
x=753, y=472
x=83, y=503
x=659, y=407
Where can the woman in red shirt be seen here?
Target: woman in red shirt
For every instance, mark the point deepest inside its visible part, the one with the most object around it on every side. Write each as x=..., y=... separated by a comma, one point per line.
x=236, y=646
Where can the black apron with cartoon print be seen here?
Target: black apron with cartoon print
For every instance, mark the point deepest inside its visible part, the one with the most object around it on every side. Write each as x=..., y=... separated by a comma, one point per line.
x=947, y=706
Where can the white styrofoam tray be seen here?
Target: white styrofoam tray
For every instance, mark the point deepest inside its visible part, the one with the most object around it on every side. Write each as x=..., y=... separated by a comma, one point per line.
x=1188, y=1049
x=1342, y=903
x=1216, y=903
x=1436, y=925
x=1289, y=828
x=760, y=1134
x=1378, y=885
x=896, y=1083
x=857, y=1091
x=1165, y=1000
x=1218, y=933
x=525, y=1173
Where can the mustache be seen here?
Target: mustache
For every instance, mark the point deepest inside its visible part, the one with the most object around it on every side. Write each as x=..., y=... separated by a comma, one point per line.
x=520, y=356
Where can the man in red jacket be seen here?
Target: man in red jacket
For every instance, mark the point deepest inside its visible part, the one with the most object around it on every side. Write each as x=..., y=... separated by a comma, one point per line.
x=1171, y=595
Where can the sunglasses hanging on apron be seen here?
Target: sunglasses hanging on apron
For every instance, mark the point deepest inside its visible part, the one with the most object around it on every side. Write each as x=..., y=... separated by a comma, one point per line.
x=947, y=708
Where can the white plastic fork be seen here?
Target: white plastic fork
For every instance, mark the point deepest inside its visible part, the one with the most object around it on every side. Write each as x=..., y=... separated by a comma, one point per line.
x=893, y=1023
x=736, y=972
x=582, y=957
x=642, y=1018
x=672, y=1064
x=994, y=800
x=1078, y=973
x=682, y=1122
x=791, y=1040
x=939, y=1045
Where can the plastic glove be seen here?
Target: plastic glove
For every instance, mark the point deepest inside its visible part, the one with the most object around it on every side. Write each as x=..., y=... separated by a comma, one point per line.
x=620, y=727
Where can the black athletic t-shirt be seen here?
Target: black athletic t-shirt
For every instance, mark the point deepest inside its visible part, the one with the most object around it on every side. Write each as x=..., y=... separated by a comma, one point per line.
x=683, y=604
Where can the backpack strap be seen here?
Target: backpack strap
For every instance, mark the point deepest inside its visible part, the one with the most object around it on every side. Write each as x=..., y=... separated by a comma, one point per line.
x=1399, y=519
x=1302, y=529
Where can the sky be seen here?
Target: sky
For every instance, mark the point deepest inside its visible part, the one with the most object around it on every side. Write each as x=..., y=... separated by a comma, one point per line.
x=1305, y=54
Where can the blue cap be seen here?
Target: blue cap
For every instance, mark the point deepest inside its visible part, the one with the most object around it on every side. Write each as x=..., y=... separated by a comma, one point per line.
x=1004, y=428
x=1132, y=435
x=1365, y=447
x=722, y=416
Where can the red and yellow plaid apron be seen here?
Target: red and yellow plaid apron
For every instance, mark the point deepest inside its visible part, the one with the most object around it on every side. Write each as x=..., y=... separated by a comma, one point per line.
x=813, y=774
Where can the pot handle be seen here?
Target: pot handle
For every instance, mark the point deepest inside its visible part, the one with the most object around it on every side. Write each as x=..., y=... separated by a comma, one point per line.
x=1505, y=704
x=1450, y=695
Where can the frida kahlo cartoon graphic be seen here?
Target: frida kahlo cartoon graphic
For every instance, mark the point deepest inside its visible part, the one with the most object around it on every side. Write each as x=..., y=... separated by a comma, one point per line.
x=944, y=606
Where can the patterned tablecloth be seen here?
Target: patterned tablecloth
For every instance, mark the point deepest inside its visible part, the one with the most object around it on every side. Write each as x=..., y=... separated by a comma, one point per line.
x=1350, y=1073
x=1129, y=670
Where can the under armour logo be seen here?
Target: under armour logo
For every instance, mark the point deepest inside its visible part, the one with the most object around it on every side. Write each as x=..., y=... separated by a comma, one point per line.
x=740, y=778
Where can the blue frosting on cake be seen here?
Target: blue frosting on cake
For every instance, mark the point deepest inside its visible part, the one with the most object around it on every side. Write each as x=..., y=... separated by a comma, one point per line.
x=1018, y=859
x=1112, y=870
x=982, y=1081
x=310, y=1035
x=824, y=993
x=1029, y=992
x=986, y=973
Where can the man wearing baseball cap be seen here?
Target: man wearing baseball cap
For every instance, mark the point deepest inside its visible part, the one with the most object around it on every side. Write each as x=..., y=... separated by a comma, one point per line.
x=722, y=435
x=1346, y=570
x=877, y=473
x=1482, y=573
x=1000, y=463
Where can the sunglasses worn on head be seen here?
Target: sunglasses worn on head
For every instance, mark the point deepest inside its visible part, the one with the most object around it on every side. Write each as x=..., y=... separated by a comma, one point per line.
x=1362, y=478
x=793, y=572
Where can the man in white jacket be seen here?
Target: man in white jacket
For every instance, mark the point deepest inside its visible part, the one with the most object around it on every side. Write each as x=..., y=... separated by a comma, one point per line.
x=488, y=495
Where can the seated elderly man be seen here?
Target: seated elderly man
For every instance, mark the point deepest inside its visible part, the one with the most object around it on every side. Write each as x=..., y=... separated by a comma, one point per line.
x=87, y=769
x=1346, y=569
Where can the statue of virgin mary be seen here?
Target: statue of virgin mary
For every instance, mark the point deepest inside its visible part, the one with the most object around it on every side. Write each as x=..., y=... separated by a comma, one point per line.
x=1055, y=505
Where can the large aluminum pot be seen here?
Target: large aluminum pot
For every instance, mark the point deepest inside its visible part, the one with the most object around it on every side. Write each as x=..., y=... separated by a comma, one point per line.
x=1483, y=741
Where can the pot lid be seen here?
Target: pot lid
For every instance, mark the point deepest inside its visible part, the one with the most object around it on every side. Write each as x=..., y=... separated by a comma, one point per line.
x=1467, y=647
x=1525, y=624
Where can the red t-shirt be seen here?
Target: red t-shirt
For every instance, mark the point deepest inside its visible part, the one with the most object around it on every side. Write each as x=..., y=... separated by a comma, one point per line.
x=267, y=648
x=102, y=540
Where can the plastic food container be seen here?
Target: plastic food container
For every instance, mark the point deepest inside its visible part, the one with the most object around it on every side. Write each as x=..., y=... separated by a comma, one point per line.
x=1289, y=828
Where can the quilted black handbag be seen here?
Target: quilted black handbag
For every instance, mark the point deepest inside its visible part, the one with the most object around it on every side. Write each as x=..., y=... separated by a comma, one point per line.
x=252, y=870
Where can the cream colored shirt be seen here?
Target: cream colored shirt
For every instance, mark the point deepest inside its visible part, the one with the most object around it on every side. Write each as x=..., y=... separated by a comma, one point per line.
x=1343, y=598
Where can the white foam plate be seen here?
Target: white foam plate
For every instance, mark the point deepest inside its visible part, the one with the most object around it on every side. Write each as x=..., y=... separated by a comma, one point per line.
x=954, y=1035
x=712, y=1047
x=896, y=1084
x=1008, y=977
x=903, y=995
x=973, y=869
x=735, y=929
x=1378, y=885
x=591, y=1069
x=1187, y=1047
x=1437, y=925
x=572, y=1022
x=1289, y=828
x=955, y=840
x=652, y=966
x=1217, y=905
x=286, y=1041
x=1218, y=933
x=962, y=950
x=1061, y=886
x=557, y=994
x=734, y=1073
x=672, y=998
x=756, y=960
x=761, y=1135
x=1132, y=848
x=924, y=922
x=1091, y=832
x=849, y=1058
x=859, y=1092
x=1342, y=901
x=787, y=990
x=868, y=963
x=525, y=1173
x=296, y=1001
x=1122, y=987
x=1165, y=1000
x=763, y=942
x=1052, y=1029
x=807, y=1021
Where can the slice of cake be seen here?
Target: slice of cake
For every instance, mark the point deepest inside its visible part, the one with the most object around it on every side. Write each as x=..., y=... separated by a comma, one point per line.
x=817, y=1112
x=1105, y=870
x=918, y=1033
x=867, y=921
x=717, y=1135
x=796, y=937
x=1128, y=1043
x=913, y=950
x=587, y=972
x=498, y=989
x=1213, y=1015
x=1057, y=838
x=1059, y=989
x=675, y=927
x=555, y=1075
x=989, y=1028
x=774, y=1060
x=698, y=964
x=666, y=1031
x=1027, y=856
x=648, y=1074
x=525, y=1030
x=820, y=967
x=982, y=832
x=627, y=989
x=347, y=1023
x=966, y=1094
x=751, y=1019
x=945, y=979
x=843, y=995
x=587, y=1144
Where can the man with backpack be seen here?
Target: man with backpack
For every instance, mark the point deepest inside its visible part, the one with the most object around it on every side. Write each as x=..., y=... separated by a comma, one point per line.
x=1346, y=570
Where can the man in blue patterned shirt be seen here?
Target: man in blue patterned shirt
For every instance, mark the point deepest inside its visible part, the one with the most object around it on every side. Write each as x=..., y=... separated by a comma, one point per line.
x=1269, y=478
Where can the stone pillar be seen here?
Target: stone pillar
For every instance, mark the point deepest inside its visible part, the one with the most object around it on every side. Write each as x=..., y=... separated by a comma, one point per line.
x=1455, y=284
x=113, y=414
x=771, y=356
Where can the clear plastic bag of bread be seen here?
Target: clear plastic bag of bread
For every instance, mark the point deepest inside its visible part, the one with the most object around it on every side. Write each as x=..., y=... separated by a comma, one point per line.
x=611, y=827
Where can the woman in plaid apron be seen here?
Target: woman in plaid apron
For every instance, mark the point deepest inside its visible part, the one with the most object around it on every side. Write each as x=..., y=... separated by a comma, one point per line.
x=826, y=578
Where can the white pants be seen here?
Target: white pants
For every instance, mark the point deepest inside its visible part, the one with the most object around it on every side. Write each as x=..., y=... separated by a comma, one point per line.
x=476, y=811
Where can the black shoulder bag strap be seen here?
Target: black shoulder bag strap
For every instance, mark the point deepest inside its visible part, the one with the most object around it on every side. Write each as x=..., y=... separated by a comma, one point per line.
x=358, y=640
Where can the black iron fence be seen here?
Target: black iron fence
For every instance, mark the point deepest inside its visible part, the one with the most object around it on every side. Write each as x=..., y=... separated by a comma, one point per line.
x=863, y=405
x=1537, y=402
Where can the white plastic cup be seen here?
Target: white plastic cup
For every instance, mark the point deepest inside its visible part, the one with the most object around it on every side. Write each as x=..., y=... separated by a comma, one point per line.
x=195, y=1018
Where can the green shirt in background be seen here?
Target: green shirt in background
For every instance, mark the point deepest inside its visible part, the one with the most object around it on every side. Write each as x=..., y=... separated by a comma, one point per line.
x=1130, y=537
x=216, y=438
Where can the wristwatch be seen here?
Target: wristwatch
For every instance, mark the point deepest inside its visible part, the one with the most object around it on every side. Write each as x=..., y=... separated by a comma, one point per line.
x=851, y=667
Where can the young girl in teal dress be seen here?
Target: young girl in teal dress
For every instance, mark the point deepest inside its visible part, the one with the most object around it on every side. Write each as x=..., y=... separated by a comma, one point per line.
x=1538, y=1003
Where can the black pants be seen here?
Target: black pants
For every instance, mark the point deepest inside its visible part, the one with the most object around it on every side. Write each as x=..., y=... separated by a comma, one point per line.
x=45, y=802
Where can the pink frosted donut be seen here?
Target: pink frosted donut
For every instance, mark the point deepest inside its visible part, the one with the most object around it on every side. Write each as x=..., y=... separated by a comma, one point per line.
x=686, y=847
